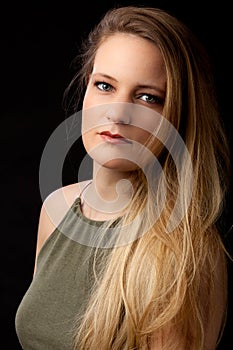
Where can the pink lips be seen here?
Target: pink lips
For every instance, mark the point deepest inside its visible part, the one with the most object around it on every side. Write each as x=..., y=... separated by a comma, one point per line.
x=108, y=133
x=113, y=138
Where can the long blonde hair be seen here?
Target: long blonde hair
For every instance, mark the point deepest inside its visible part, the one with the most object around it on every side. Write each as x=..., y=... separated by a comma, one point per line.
x=154, y=283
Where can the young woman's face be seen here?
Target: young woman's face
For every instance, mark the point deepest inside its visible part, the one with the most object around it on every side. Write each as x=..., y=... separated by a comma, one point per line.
x=125, y=92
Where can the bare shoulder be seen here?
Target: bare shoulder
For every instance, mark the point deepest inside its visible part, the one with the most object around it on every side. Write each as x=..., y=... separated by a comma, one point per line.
x=53, y=210
x=56, y=205
x=59, y=201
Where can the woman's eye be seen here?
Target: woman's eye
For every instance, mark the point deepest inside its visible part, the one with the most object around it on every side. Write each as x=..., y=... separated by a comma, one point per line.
x=103, y=86
x=152, y=99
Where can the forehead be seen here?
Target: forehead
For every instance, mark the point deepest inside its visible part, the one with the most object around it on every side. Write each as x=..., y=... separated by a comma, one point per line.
x=131, y=53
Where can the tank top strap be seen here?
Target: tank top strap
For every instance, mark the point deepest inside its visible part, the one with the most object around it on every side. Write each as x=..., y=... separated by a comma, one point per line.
x=83, y=190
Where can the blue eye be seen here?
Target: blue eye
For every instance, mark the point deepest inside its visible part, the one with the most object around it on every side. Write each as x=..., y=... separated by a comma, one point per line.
x=101, y=85
x=151, y=99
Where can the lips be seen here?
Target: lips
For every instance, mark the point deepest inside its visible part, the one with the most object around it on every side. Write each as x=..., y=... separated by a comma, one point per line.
x=113, y=138
x=109, y=134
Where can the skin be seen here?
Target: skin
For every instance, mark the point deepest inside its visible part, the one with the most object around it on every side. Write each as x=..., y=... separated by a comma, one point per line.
x=128, y=76
x=128, y=71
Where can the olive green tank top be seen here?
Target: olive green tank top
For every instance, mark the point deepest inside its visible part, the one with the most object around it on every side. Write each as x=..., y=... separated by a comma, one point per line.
x=59, y=291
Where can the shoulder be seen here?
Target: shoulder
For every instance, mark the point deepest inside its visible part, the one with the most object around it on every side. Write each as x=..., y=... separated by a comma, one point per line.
x=60, y=200
x=54, y=208
x=57, y=203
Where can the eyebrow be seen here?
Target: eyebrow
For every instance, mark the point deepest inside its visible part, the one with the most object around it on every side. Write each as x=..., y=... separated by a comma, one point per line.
x=140, y=86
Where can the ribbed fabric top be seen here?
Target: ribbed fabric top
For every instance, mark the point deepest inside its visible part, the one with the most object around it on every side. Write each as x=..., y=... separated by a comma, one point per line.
x=61, y=286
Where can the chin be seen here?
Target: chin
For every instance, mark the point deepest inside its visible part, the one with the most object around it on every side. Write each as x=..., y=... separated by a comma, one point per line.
x=120, y=165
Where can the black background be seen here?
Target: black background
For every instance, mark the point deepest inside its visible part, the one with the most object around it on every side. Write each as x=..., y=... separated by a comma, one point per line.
x=38, y=43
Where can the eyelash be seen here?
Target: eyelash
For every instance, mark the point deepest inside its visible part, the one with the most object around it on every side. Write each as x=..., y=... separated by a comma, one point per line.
x=98, y=83
x=157, y=100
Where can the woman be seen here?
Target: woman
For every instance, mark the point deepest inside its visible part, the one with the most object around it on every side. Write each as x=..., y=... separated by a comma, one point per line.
x=136, y=260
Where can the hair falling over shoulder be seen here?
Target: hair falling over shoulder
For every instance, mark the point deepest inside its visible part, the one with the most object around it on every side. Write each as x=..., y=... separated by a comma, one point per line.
x=160, y=289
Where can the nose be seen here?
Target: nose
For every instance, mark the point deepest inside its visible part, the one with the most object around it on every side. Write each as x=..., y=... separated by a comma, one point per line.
x=119, y=112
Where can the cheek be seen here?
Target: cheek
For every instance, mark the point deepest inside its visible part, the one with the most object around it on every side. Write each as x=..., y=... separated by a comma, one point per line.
x=140, y=135
x=87, y=100
x=150, y=142
x=90, y=98
x=87, y=139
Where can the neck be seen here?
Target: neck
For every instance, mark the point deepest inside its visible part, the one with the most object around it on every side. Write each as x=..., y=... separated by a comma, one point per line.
x=108, y=194
x=108, y=183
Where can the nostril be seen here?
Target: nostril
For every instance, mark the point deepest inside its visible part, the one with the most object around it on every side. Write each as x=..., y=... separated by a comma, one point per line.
x=118, y=113
x=123, y=122
x=118, y=121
